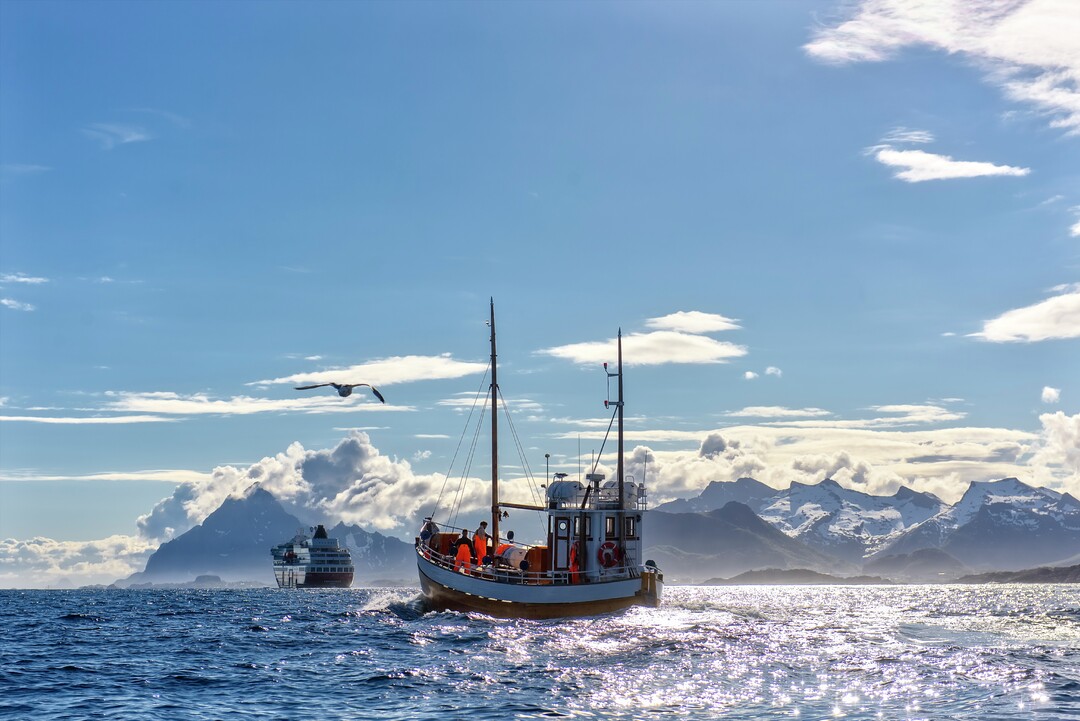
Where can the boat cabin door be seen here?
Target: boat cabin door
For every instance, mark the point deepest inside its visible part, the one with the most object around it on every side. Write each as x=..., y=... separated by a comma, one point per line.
x=561, y=536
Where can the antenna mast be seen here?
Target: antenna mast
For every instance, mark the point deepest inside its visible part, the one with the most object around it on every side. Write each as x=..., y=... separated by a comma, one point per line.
x=494, y=437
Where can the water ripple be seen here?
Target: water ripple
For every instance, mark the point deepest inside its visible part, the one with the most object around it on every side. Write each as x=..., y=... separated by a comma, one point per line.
x=908, y=652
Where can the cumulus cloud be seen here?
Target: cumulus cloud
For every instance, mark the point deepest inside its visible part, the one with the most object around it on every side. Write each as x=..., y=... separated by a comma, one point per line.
x=773, y=371
x=1051, y=395
x=1054, y=318
x=1030, y=50
x=44, y=563
x=693, y=321
x=750, y=375
x=1057, y=459
x=352, y=482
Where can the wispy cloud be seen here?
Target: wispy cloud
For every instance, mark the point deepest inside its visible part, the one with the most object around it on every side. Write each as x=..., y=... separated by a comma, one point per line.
x=656, y=348
x=773, y=371
x=693, y=321
x=109, y=135
x=1051, y=395
x=15, y=170
x=22, y=278
x=906, y=135
x=897, y=416
x=917, y=166
x=777, y=412
x=169, y=403
x=168, y=475
x=387, y=371
x=1031, y=50
x=16, y=305
x=1054, y=318
x=86, y=420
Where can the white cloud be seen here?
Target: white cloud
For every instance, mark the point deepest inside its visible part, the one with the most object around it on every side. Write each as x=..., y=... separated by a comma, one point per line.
x=653, y=348
x=22, y=278
x=16, y=305
x=776, y=412
x=918, y=166
x=693, y=321
x=387, y=371
x=109, y=135
x=901, y=415
x=1051, y=395
x=169, y=403
x=44, y=563
x=12, y=170
x=86, y=420
x=904, y=135
x=773, y=371
x=1054, y=318
x=750, y=375
x=1030, y=50
x=1057, y=458
x=352, y=481
x=171, y=476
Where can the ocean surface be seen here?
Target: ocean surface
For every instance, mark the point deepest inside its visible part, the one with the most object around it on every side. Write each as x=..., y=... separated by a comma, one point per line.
x=823, y=652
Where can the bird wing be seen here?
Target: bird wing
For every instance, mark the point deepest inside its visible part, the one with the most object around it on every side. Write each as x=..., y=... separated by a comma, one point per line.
x=373, y=390
x=317, y=385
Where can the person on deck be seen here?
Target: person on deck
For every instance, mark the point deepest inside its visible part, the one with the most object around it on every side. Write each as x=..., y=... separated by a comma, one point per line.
x=480, y=541
x=464, y=556
x=428, y=532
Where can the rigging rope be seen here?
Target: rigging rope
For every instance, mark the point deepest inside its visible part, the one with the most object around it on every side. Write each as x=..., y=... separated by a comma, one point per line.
x=456, y=450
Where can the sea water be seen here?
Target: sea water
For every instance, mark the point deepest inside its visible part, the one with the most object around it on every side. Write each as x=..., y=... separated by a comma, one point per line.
x=743, y=652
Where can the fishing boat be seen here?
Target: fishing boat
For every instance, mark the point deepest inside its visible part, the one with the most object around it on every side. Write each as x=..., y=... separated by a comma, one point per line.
x=591, y=562
x=315, y=562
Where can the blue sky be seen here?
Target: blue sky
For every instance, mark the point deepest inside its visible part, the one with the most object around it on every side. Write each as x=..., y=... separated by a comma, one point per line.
x=842, y=237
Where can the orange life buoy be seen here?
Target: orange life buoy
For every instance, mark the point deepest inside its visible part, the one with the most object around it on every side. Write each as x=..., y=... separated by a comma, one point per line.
x=609, y=554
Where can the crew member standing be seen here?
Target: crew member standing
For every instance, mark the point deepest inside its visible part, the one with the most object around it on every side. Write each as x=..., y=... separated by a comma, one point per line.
x=480, y=541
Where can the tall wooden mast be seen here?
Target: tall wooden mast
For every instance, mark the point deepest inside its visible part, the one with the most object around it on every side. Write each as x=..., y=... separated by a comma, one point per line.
x=494, y=437
x=619, y=464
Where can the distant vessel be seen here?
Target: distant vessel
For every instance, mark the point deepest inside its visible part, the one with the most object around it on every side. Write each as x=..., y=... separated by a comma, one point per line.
x=591, y=561
x=316, y=562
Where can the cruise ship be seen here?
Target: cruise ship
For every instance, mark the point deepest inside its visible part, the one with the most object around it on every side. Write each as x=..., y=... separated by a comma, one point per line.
x=315, y=562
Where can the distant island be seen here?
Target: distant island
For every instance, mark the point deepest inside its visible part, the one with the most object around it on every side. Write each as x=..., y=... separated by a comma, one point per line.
x=1063, y=574
x=793, y=577
x=806, y=577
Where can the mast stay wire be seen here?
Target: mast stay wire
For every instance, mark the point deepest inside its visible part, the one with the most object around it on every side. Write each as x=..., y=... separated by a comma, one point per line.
x=458, y=449
x=524, y=461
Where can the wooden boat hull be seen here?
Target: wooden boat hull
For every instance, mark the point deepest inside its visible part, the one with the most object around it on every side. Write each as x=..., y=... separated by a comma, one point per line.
x=444, y=589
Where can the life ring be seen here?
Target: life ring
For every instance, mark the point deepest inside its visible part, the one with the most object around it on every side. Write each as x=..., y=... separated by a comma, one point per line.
x=609, y=554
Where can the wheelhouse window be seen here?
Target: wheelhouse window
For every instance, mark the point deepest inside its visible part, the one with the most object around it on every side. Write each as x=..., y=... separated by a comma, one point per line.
x=631, y=527
x=609, y=527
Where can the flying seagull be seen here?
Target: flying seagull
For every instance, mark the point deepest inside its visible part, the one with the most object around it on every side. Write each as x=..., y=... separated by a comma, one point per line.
x=345, y=389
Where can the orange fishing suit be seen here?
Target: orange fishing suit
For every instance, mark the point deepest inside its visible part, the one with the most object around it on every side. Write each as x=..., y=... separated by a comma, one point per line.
x=464, y=559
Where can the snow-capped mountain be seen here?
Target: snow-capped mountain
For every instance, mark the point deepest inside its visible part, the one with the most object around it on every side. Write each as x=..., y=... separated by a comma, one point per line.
x=846, y=523
x=726, y=542
x=718, y=494
x=1003, y=524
